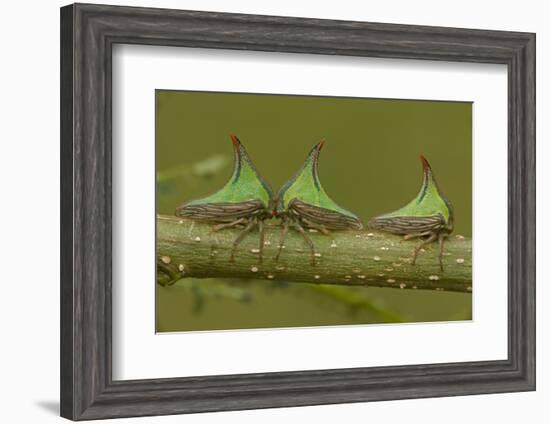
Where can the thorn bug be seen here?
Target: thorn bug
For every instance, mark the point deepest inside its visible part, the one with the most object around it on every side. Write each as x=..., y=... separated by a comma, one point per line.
x=245, y=201
x=303, y=204
x=429, y=216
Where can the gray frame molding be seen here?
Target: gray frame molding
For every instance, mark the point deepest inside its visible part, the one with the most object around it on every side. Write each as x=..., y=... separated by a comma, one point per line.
x=88, y=33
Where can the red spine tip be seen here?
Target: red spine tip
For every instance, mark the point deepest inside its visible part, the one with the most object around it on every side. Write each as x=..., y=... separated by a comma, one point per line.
x=425, y=163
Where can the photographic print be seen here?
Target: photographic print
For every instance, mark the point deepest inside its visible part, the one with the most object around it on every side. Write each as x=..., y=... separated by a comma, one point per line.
x=280, y=211
x=268, y=204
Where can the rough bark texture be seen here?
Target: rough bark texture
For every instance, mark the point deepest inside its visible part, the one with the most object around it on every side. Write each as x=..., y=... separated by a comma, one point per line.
x=187, y=248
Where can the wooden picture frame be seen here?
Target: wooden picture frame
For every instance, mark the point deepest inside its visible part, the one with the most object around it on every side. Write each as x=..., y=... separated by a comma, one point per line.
x=88, y=33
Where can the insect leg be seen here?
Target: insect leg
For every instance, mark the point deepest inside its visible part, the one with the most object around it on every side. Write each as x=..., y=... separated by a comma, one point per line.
x=415, y=235
x=430, y=239
x=284, y=233
x=441, y=240
x=262, y=238
x=324, y=230
x=307, y=239
x=249, y=226
x=319, y=227
x=229, y=224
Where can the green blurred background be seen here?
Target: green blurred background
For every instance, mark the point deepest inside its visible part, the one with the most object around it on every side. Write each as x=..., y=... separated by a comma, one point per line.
x=369, y=165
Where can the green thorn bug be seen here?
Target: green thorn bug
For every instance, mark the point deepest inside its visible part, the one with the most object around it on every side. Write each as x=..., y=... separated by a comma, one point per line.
x=303, y=203
x=245, y=200
x=429, y=215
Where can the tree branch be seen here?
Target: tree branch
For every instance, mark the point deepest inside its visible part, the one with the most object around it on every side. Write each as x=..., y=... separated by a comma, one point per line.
x=187, y=248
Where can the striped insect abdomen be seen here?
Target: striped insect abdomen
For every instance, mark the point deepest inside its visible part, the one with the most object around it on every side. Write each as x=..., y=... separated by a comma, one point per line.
x=221, y=212
x=407, y=224
x=328, y=218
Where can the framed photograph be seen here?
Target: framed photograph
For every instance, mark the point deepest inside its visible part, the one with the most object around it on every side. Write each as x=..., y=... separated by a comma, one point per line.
x=263, y=211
